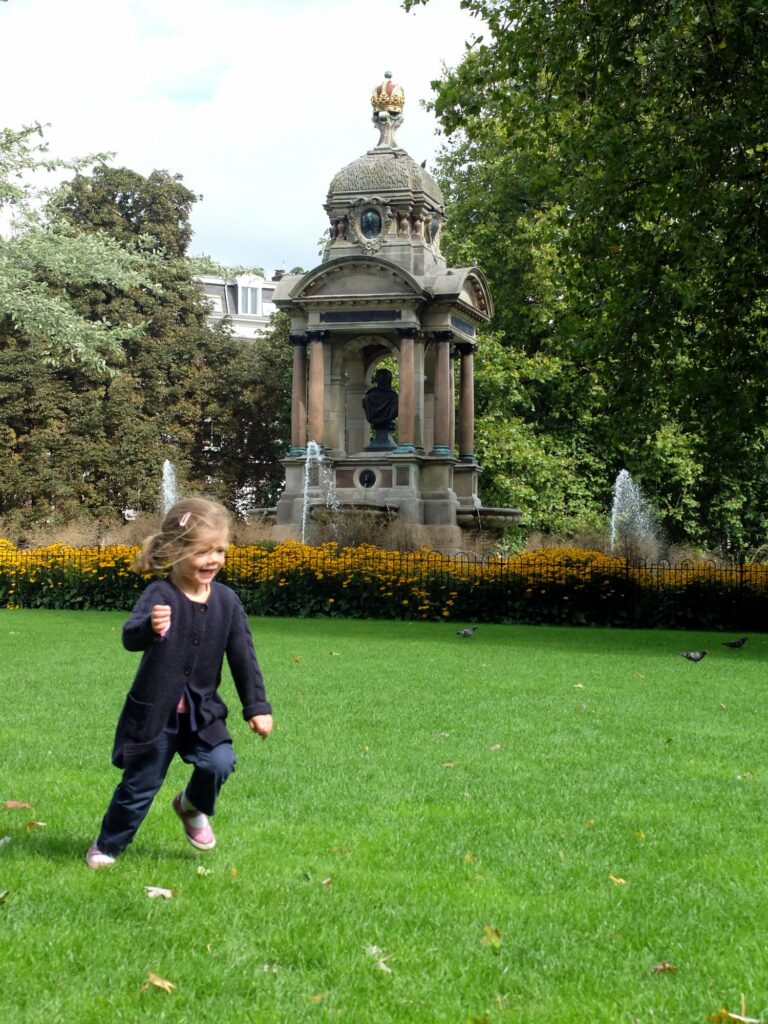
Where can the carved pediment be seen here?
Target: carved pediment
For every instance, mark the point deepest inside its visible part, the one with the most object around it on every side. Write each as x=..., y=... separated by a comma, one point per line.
x=476, y=294
x=357, y=278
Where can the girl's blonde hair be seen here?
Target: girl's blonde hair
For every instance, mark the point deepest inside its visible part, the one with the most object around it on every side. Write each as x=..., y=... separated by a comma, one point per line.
x=181, y=529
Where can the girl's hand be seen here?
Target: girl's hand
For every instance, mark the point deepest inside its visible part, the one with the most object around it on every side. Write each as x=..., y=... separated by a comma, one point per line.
x=160, y=618
x=262, y=724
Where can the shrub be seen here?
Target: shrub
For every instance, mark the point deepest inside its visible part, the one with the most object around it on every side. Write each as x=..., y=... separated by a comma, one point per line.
x=557, y=585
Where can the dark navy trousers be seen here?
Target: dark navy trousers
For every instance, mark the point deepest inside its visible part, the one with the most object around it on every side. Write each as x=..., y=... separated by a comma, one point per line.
x=143, y=778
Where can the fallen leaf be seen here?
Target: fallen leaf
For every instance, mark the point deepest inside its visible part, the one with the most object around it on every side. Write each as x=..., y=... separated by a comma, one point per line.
x=496, y=746
x=155, y=892
x=665, y=967
x=381, y=961
x=590, y=822
x=4, y=840
x=491, y=937
x=617, y=881
x=318, y=997
x=298, y=661
x=158, y=982
x=470, y=858
x=451, y=764
x=639, y=675
x=335, y=654
x=578, y=686
x=640, y=834
x=36, y=824
x=740, y=1018
x=5, y=893
x=233, y=872
x=326, y=882
x=14, y=805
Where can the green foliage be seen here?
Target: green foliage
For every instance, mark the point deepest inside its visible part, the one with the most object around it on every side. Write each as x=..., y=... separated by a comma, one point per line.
x=554, y=586
x=606, y=168
x=87, y=438
x=127, y=206
x=204, y=264
x=42, y=246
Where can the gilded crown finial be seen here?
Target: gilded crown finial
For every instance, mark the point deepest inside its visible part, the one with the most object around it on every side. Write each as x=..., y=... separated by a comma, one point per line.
x=388, y=96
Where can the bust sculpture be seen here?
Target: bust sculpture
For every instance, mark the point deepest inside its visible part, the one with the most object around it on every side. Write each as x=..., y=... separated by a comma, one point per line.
x=380, y=406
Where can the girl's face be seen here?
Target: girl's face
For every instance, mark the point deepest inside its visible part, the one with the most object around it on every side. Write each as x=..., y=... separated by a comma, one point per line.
x=194, y=573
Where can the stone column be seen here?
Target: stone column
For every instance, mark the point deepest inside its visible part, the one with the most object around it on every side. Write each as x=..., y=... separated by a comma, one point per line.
x=407, y=398
x=467, y=403
x=299, y=396
x=452, y=401
x=317, y=385
x=442, y=445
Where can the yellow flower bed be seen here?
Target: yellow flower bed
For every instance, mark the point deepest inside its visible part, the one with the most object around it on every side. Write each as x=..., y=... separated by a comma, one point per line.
x=551, y=585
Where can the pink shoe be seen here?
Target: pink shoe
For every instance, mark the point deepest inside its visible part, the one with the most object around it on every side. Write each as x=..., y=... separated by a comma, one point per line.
x=96, y=859
x=202, y=837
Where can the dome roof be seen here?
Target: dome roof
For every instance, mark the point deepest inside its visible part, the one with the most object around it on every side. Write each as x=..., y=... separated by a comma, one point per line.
x=389, y=174
x=384, y=202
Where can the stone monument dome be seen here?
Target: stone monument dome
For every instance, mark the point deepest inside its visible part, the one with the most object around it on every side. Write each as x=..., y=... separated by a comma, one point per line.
x=385, y=203
x=384, y=335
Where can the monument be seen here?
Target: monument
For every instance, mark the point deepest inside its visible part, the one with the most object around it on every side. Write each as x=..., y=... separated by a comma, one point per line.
x=383, y=302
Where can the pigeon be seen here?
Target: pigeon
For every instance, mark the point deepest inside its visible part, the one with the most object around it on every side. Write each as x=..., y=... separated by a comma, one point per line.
x=735, y=644
x=693, y=655
x=469, y=631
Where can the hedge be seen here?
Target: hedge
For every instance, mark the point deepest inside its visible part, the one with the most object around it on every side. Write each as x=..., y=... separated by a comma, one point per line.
x=557, y=585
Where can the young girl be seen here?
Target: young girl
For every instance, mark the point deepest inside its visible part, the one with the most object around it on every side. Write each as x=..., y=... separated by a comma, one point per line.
x=184, y=624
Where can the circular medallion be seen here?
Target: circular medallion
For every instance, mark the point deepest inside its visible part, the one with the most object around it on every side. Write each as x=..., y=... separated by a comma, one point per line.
x=370, y=223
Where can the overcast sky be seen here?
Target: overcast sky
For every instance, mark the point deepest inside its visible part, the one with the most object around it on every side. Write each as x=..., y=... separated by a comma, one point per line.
x=257, y=103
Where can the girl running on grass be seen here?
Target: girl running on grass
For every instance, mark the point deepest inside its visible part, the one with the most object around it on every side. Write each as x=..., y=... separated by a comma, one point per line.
x=184, y=624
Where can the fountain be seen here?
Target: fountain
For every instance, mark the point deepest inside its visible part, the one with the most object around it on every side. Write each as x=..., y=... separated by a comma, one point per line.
x=383, y=300
x=325, y=481
x=634, y=530
x=169, y=488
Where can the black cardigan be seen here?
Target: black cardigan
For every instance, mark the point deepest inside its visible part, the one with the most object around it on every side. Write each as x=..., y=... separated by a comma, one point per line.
x=189, y=656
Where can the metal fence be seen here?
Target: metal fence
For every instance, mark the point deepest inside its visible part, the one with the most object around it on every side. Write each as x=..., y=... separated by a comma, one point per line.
x=370, y=582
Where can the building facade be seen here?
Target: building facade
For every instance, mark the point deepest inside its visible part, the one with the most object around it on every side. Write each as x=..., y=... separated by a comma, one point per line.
x=246, y=299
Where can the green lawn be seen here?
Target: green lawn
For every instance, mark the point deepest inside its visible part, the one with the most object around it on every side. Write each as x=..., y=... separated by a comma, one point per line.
x=512, y=828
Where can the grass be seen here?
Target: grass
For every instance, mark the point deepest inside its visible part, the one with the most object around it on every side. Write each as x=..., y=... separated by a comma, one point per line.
x=512, y=828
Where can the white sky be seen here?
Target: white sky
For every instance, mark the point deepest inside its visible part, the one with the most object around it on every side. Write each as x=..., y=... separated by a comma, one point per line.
x=257, y=103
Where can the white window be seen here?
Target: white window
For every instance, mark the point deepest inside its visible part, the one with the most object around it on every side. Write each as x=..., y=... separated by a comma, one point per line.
x=249, y=301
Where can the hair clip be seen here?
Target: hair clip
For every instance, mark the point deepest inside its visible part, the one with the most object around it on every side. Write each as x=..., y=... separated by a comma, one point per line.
x=185, y=519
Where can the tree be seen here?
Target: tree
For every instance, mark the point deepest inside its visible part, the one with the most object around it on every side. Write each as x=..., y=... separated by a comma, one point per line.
x=607, y=165
x=41, y=243
x=204, y=264
x=207, y=392
x=247, y=428
x=87, y=439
